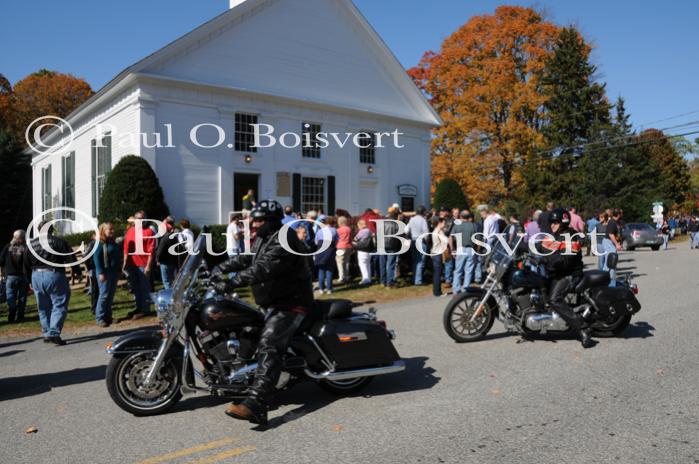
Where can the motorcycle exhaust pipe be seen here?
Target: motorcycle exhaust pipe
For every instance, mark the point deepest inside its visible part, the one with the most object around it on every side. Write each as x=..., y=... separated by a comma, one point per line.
x=397, y=366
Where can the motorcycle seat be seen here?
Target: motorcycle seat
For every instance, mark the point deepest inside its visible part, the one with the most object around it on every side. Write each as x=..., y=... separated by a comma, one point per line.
x=593, y=279
x=334, y=309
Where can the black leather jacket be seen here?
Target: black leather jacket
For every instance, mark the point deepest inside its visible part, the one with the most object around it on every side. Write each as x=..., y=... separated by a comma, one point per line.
x=58, y=245
x=279, y=279
x=559, y=264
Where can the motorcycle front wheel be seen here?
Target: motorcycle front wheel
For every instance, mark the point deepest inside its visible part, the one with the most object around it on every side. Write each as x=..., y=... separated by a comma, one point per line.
x=125, y=383
x=457, y=319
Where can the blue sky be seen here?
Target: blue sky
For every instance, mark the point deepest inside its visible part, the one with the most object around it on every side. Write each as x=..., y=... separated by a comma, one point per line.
x=646, y=51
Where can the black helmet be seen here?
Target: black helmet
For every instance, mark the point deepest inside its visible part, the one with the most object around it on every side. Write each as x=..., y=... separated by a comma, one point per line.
x=560, y=216
x=267, y=210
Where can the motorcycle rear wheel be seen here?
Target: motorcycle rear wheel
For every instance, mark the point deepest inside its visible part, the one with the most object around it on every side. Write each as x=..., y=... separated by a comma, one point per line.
x=603, y=329
x=125, y=384
x=344, y=387
x=457, y=317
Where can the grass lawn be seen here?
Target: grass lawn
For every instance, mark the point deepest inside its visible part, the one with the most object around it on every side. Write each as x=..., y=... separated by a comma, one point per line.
x=80, y=317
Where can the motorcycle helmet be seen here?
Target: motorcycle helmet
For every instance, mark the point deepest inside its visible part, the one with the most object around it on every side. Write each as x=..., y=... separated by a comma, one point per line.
x=267, y=210
x=560, y=216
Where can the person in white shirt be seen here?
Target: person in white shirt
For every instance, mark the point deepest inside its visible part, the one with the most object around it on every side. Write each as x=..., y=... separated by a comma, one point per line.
x=417, y=226
x=187, y=236
x=233, y=236
x=491, y=225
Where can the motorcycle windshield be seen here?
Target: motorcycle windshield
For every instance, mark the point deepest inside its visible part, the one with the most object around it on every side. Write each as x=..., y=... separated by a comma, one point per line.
x=188, y=273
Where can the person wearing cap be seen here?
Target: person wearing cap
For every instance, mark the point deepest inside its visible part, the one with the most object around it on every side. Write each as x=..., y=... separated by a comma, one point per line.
x=13, y=268
x=281, y=284
x=49, y=281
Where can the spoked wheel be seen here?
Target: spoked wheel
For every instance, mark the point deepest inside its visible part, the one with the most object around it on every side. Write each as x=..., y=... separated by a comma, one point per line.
x=457, y=319
x=345, y=387
x=126, y=384
x=611, y=328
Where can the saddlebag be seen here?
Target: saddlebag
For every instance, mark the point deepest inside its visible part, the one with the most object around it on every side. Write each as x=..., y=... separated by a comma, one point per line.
x=612, y=301
x=352, y=344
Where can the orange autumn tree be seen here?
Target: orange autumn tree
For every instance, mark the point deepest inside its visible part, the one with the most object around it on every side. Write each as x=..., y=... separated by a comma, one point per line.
x=485, y=84
x=39, y=94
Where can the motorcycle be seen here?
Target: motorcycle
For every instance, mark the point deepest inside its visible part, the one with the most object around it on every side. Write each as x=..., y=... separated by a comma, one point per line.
x=515, y=292
x=150, y=370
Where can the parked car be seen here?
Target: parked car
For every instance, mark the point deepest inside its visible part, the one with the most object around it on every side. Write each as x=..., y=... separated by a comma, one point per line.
x=638, y=234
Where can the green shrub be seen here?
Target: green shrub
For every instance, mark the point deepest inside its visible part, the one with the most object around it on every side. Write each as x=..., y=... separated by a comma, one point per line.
x=448, y=194
x=132, y=186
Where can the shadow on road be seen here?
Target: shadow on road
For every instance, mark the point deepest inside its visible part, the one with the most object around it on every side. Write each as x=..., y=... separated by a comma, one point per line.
x=19, y=342
x=638, y=330
x=416, y=376
x=29, y=385
x=10, y=353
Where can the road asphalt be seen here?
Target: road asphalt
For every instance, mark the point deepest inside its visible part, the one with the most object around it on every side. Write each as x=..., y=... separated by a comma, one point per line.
x=631, y=399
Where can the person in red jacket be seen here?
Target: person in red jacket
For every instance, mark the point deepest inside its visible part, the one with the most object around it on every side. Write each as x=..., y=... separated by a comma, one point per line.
x=138, y=262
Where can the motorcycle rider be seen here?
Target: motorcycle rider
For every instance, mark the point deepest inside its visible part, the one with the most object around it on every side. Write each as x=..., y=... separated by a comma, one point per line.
x=565, y=270
x=281, y=283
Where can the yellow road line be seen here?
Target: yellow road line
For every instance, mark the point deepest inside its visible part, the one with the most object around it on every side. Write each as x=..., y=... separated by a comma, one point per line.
x=223, y=455
x=188, y=451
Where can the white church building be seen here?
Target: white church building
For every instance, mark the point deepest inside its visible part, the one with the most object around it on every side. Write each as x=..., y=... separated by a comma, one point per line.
x=302, y=67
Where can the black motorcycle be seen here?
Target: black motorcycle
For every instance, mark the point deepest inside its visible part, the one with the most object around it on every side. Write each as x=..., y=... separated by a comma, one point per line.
x=515, y=291
x=150, y=370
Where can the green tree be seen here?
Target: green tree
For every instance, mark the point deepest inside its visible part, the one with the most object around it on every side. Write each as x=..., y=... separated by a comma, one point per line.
x=448, y=194
x=132, y=186
x=576, y=113
x=16, y=191
x=672, y=174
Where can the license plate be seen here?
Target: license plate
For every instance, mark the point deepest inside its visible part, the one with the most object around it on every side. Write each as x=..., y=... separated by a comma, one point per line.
x=650, y=242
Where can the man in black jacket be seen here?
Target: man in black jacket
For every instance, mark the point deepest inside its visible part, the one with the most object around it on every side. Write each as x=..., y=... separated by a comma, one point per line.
x=565, y=269
x=281, y=283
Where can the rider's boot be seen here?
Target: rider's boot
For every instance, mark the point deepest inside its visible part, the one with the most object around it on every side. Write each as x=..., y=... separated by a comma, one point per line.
x=586, y=340
x=251, y=410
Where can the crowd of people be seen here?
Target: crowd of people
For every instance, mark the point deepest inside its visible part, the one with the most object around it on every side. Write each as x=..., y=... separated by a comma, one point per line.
x=449, y=256
x=107, y=258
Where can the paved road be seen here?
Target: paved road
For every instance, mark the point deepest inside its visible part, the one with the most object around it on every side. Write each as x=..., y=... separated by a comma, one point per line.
x=628, y=400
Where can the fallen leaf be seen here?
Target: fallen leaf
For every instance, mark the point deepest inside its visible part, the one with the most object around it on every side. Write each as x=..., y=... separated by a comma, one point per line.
x=31, y=429
x=60, y=408
x=337, y=428
x=495, y=392
x=660, y=372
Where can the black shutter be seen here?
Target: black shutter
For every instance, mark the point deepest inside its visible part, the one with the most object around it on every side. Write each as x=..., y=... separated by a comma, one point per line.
x=93, y=160
x=331, y=195
x=296, y=187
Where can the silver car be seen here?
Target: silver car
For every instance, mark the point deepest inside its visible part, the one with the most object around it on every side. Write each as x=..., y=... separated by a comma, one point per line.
x=638, y=234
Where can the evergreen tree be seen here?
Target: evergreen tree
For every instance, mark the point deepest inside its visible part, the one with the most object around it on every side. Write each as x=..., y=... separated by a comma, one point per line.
x=132, y=186
x=448, y=194
x=16, y=191
x=577, y=113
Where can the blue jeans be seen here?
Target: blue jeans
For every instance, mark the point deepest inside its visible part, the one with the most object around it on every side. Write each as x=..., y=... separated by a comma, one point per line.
x=419, y=260
x=387, y=268
x=52, y=294
x=437, y=275
x=325, y=277
x=607, y=248
x=140, y=286
x=103, y=310
x=466, y=260
x=16, y=290
x=448, y=270
x=167, y=274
